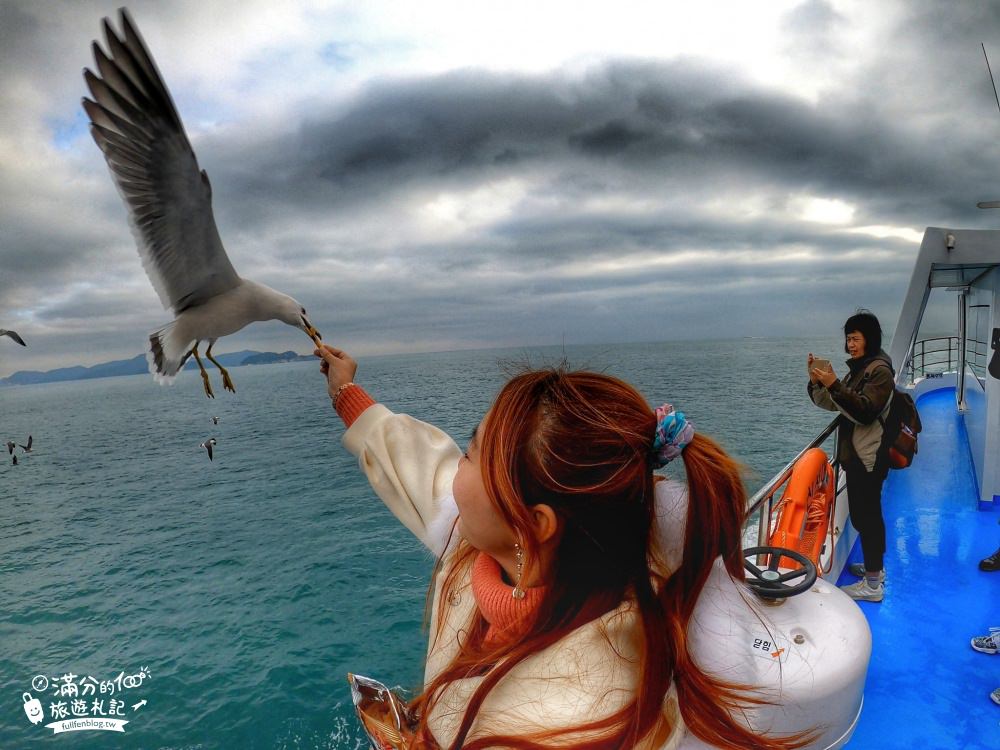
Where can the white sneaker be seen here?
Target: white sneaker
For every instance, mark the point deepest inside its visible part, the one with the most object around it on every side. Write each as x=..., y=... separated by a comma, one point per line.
x=858, y=569
x=861, y=591
x=988, y=644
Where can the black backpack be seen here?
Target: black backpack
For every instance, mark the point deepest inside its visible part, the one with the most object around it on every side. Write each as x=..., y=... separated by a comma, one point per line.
x=899, y=430
x=899, y=426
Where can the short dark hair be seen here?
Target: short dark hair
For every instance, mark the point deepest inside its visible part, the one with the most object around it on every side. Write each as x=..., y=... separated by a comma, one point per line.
x=864, y=322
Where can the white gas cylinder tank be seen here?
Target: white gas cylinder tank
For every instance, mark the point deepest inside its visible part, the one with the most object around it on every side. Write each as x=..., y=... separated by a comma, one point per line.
x=808, y=655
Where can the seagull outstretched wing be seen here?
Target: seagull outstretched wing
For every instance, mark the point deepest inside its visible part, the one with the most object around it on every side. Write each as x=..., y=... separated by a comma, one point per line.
x=207, y=445
x=13, y=335
x=169, y=199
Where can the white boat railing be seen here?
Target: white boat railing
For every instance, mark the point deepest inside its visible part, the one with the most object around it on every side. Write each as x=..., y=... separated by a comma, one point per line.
x=932, y=357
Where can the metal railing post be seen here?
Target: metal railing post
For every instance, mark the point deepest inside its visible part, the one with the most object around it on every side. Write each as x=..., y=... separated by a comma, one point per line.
x=962, y=313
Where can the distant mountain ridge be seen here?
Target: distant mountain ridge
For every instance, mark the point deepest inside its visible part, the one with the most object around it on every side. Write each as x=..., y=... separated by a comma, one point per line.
x=137, y=366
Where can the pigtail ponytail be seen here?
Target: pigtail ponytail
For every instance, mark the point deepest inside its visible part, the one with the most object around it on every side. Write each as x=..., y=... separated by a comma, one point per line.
x=716, y=511
x=715, y=515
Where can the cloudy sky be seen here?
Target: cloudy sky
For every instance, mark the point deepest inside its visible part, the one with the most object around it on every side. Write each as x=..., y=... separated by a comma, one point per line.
x=440, y=175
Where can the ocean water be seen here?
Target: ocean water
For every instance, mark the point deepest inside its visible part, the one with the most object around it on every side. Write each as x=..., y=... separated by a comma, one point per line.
x=218, y=604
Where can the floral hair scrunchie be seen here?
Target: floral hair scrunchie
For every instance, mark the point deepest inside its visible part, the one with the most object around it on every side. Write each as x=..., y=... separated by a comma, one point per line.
x=673, y=433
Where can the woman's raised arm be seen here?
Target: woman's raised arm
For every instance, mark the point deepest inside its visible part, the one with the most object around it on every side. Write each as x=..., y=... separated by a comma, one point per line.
x=410, y=464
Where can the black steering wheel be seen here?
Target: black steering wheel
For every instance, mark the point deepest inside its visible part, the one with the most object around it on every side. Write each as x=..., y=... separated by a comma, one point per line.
x=772, y=584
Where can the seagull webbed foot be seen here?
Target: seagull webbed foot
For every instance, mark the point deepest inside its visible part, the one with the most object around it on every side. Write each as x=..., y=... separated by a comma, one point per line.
x=227, y=382
x=204, y=374
x=208, y=386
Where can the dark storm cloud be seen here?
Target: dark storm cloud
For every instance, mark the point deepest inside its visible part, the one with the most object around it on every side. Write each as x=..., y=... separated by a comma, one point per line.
x=671, y=124
x=471, y=125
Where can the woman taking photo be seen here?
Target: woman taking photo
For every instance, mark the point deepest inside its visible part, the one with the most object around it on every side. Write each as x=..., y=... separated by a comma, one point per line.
x=862, y=397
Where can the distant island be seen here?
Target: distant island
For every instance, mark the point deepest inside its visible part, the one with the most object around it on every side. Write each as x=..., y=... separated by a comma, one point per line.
x=137, y=366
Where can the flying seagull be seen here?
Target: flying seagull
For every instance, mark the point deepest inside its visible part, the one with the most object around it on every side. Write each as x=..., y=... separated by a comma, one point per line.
x=169, y=200
x=215, y=420
x=207, y=445
x=13, y=335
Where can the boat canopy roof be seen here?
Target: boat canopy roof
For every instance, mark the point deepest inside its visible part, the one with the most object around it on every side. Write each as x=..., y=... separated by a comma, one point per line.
x=950, y=274
x=947, y=258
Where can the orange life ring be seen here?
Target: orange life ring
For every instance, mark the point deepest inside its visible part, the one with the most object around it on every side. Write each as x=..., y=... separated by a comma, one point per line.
x=806, y=508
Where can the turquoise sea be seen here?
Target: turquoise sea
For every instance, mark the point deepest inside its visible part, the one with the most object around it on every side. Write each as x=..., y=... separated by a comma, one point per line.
x=220, y=604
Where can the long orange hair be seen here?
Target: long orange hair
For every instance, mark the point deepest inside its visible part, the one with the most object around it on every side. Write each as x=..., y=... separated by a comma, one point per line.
x=581, y=442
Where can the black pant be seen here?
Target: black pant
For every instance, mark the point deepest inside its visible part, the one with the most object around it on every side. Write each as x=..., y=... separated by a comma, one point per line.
x=864, y=499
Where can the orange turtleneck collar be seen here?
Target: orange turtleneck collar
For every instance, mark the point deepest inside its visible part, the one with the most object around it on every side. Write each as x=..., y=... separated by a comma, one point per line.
x=507, y=616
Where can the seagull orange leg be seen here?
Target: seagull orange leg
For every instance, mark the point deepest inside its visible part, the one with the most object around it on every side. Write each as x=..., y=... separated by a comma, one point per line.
x=227, y=382
x=204, y=374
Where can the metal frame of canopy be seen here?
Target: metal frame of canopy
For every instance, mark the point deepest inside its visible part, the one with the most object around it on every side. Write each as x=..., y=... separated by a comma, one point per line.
x=961, y=260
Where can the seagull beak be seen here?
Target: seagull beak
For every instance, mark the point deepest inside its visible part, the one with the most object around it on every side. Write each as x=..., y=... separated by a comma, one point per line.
x=312, y=332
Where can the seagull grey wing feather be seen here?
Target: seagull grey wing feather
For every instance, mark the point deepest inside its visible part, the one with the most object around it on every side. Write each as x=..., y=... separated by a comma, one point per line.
x=169, y=198
x=13, y=335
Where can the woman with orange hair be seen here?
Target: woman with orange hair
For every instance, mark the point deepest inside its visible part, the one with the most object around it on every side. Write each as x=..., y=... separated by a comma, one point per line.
x=566, y=571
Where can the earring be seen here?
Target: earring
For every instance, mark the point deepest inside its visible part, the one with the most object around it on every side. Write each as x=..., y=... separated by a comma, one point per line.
x=518, y=592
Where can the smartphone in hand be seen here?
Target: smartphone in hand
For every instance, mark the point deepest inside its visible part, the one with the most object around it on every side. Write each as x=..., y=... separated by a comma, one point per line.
x=820, y=364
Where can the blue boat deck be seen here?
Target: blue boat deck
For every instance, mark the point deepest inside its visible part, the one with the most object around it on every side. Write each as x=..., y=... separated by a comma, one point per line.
x=926, y=686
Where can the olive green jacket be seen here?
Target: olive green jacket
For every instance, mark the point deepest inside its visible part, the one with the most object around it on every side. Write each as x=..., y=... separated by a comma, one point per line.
x=862, y=397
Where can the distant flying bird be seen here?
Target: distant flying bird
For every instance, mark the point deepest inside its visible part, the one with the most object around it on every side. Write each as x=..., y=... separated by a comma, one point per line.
x=27, y=448
x=10, y=446
x=215, y=420
x=208, y=445
x=13, y=335
x=169, y=200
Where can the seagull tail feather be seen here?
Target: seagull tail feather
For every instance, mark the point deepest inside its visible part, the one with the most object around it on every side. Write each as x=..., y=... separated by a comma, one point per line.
x=167, y=353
